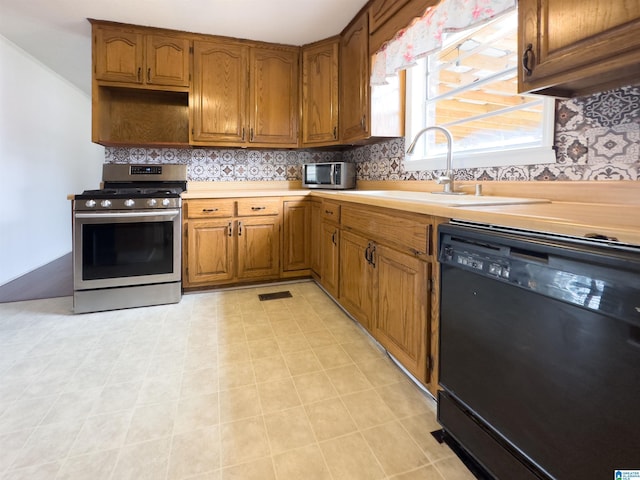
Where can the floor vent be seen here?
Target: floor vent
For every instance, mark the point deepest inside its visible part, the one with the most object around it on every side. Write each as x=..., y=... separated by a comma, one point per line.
x=274, y=295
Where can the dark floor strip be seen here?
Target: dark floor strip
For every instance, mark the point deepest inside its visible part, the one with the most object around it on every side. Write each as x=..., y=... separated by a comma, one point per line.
x=52, y=280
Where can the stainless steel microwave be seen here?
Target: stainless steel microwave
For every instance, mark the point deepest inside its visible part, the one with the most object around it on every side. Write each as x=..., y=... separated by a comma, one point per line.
x=335, y=175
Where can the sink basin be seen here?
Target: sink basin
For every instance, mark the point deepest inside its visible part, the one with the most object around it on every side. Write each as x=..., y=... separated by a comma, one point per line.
x=445, y=200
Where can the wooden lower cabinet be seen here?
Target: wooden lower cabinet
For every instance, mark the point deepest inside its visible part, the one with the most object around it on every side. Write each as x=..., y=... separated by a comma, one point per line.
x=229, y=250
x=296, y=248
x=258, y=248
x=211, y=254
x=316, y=224
x=231, y=241
x=385, y=264
x=330, y=256
x=386, y=291
x=401, y=298
x=356, y=277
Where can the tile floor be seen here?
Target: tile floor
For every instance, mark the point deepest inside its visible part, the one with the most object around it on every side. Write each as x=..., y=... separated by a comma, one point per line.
x=219, y=386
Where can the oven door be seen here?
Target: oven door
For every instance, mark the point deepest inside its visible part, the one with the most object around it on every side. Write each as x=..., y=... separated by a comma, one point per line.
x=114, y=249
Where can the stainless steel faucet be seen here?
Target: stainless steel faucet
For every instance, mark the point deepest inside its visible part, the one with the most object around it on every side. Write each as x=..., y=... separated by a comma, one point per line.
x=447, y=178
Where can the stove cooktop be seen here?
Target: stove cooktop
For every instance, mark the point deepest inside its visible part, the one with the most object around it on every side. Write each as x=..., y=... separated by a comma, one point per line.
x=129, y=193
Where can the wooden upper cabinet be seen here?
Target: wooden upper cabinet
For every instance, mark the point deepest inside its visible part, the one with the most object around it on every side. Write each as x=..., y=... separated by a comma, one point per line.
x=381, y=11
x=128, y=56
x=219, y=93
x=388, y=17
x=273, y=96
x=118, y=55
x=575, y=47
x=244, y=95
x=320, y=93
x=354, y=81
x=167, y=60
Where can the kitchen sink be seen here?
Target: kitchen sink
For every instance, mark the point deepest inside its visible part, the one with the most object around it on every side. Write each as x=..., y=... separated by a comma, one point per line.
x=446, y=200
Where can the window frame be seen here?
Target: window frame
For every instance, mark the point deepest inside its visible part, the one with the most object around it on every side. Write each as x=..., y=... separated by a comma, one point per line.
x=415, y=108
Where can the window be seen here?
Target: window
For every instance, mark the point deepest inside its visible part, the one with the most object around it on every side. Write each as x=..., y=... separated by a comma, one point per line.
x=470, y=87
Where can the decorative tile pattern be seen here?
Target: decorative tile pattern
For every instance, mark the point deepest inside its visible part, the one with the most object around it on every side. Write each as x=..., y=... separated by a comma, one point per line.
x=613, y=108
x=619, y=143
x=597, y=138
x=226, y=165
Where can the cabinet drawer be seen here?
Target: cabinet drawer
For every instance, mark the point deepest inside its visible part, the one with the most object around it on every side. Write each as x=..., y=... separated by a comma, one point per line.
x=409, y=232
x=209, y=208
x=330, y=211
x=258, y=206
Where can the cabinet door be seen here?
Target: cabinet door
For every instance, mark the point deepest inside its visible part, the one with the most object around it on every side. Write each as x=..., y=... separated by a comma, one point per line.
x=118, y=55
x=578, y=44
x=320, y=93
x=316, y=239
x=354, y=81
x=258, y=247
x=402, y=303
x=210, y=251
x=219, y=99
x=356, y=276
x=274, y=97
x=167, y=61
x=382, y=11
x=329, y=269
x=297, y=244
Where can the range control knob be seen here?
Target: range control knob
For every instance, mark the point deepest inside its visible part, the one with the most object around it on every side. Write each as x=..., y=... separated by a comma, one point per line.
x=105, y=203
x=152, y=202
x=129, y=203
x=90, y=203
x=166, y=202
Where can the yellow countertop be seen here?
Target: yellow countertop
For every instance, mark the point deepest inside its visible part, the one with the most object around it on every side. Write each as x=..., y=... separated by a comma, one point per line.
x=560, y=217
x=200, y=194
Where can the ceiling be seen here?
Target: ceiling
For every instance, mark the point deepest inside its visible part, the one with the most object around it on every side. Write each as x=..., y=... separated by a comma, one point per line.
x=57, y=33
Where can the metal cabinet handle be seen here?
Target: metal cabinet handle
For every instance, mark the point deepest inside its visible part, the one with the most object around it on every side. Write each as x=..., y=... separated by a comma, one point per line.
x=526, y=60
x=230, y=227
x=239, y=229
x=209, y=210
x=328, y=212
x=243, y=134
x=255, y=209
x=139, y=73
x=333, y=238
x=369, y=254
x=149, y=74
x=251, y=134
x=335, y=133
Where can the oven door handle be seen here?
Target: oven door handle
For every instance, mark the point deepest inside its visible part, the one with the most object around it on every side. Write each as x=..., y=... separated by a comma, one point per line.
x=160, y=213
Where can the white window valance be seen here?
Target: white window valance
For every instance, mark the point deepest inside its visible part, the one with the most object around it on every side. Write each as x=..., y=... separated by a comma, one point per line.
x=424, y=35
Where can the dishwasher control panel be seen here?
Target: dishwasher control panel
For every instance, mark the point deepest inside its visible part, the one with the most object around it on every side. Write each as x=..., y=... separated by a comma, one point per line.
x=475, y=260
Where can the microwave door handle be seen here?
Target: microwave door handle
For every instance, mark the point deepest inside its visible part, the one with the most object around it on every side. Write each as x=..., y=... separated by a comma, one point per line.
x=162, y=213
x=333, y=174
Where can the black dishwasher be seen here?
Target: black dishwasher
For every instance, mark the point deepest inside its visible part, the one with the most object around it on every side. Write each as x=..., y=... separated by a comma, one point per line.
x=540, y=352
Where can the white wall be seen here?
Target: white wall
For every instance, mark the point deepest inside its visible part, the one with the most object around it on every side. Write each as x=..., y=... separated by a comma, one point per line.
x=45, y=154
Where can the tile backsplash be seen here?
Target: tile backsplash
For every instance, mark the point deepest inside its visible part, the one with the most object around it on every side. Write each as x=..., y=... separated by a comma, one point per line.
x=596, y=138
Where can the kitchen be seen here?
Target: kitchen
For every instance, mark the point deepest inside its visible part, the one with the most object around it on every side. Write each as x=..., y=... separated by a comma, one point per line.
x=576, y=114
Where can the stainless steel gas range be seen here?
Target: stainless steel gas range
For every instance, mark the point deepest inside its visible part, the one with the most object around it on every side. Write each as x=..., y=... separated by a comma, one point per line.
x=127, y=238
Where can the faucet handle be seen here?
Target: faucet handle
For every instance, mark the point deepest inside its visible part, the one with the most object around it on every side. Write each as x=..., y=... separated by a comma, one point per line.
x=443, y=180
